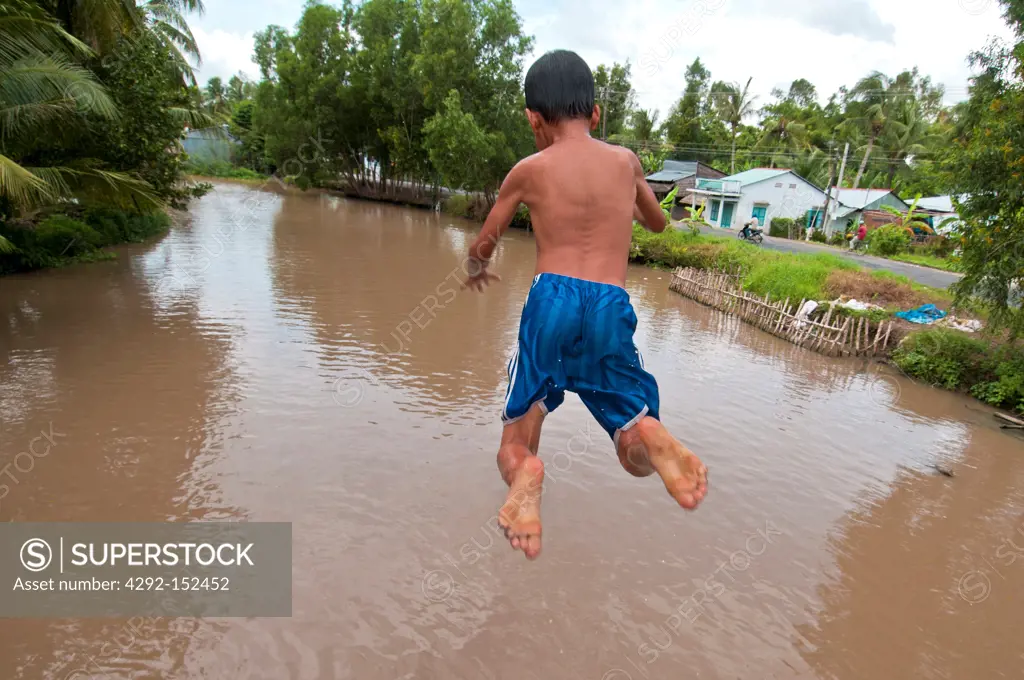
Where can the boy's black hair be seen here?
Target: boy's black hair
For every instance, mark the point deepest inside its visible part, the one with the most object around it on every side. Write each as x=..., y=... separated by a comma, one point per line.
x=560, y=85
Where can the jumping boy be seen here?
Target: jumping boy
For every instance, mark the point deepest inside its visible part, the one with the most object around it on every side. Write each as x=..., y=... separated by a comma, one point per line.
x=576, y=331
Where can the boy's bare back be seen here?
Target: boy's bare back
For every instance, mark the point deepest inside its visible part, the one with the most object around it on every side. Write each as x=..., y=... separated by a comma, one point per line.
x=581, y=194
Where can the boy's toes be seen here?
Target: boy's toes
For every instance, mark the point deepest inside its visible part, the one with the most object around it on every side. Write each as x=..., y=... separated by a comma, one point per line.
x=531, y=546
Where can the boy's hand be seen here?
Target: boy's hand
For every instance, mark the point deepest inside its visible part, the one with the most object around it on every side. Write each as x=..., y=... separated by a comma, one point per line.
x=479, y=277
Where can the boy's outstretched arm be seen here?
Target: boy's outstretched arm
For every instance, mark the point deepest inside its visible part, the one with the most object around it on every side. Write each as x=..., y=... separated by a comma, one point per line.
x=647, y=210
x=509, y=197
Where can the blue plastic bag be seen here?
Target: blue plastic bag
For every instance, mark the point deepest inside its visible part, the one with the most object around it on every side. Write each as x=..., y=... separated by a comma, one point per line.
x=925, y=314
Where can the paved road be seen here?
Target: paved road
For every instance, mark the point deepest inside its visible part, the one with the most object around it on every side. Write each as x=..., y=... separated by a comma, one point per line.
x=926, y=275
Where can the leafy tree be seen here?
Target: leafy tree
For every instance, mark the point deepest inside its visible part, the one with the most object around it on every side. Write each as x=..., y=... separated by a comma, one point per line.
x=686, y=124
x=616, y=97
x=802, y=93
x=986, y=168
x=459, y=149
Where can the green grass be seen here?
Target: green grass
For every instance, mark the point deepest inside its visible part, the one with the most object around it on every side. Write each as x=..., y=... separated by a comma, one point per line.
x=946, y=264
x=782, y=275
x=222, y=169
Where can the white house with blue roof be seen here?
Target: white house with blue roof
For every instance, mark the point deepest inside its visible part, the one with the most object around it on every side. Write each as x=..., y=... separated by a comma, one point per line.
x=763, y=193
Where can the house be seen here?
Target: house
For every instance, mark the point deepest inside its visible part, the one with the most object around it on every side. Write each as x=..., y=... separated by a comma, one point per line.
x=764, y=193
x=856, y=205
x=682, y=175
x=210, y=144
x=939, y=212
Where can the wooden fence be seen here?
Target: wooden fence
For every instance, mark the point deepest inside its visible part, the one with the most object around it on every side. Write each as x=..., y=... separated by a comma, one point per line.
x=833, y=334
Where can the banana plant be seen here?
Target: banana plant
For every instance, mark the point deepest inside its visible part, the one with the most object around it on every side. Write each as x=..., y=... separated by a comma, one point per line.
x=668, y=202
x=910, y=220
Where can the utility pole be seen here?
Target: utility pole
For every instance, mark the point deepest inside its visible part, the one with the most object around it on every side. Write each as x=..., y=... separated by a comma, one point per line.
x=604, y=113
x=828, y=196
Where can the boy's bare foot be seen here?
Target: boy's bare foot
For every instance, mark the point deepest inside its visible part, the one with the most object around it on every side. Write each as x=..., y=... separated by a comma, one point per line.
x=685, y=477
x=520, y=516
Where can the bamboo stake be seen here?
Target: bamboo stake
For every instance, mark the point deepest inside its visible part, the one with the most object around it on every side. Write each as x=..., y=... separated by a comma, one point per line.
x=878, y=337
x=888, y=330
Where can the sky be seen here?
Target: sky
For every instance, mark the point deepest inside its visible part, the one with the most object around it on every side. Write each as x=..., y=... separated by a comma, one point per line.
x=829, y=42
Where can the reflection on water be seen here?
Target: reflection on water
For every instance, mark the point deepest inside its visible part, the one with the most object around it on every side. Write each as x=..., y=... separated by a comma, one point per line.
x=312, y=359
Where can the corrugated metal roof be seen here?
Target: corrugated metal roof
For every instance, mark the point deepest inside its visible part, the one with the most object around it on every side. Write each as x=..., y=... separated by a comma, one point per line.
x=859, y=198
x=756, y=175
x=668, y=176
x=937, y=204
x=689, y=167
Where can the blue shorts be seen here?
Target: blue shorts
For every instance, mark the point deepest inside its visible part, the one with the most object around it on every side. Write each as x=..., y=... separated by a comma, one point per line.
x=577, y=335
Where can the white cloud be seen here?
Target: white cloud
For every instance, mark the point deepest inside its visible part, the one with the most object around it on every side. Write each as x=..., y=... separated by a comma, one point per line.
x=829, y=42
x=224, y=54
x=775, y=43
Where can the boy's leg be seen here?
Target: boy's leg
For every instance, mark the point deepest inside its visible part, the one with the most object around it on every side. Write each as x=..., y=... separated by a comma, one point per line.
x=523, y=471
x=647, y=447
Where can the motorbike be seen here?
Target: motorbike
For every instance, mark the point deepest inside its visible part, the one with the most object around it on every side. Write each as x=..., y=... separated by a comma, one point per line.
x=752, y=234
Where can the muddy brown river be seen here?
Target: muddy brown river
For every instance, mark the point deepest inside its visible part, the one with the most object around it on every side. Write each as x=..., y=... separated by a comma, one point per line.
x=309, y=359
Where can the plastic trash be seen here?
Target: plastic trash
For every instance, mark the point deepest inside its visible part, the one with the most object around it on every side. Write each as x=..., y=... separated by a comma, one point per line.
x=804, y=312
x=925, y=314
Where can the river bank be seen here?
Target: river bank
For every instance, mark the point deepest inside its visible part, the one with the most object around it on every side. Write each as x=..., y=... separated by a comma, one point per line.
x=988, y=368
x=84, y=235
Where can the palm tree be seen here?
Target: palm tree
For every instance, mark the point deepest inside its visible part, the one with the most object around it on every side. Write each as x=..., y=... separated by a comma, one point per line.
x=214, y=97
x=645, y=127
x=240, y=88
x=165, y=20
x=909, y=134
x=733, y=105
x=40, y=85
x=782, y=132
x=878, y=95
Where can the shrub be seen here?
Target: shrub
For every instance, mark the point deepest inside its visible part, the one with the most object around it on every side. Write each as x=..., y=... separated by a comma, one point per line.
x=888, y=240
x=818, y=236
x=780, y=227
x=221, y=169
x=60, y=238
x=941, y=357
x=116, y=226
x=466, y=205
x=839, y=239
x=522, y=218
x=939, y=246
x=63, y=236
x=954, y=360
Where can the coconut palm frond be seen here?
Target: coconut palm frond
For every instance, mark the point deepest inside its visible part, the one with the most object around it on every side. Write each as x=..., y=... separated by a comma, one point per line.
x=179, y=60
x=179, y=33
x=196, y=120
x=101, y=23
x=183, y=5
x=20, y=185
x=47, y=78
x=17, y=118
x=117, y=188
x=25, y=28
